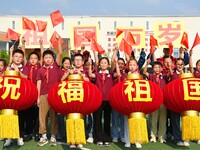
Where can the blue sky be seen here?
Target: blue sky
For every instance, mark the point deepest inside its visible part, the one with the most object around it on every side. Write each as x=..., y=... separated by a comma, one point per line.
x=100, y=7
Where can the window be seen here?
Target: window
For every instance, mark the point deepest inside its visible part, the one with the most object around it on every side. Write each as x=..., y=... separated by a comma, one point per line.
x=99, y=22
x=115, y=24
x=147, y=25
x=131, y=23
x=13, y=25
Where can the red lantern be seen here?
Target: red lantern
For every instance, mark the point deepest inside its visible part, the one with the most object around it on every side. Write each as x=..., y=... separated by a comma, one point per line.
x=182, y=96
x=136, y=97
x=75, y=98
x=16, y=93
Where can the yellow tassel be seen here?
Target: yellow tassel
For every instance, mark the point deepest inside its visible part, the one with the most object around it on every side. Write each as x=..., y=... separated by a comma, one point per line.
x=75, y=129
x=9, y=124
x=137, y=128
x=191, y=125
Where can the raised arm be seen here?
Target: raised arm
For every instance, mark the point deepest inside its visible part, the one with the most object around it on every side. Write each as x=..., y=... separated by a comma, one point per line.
x=41, y=50
x=146, y=66
x=90, y=74
x=190, y=62
x=114, y=56
x=11, y=52
x=59, y=55
x=23, y=48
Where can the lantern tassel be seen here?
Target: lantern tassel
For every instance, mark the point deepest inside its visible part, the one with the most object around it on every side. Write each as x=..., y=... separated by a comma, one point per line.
x=75, y=129
x=137, y=128
x=9, y=124
x=191, y=125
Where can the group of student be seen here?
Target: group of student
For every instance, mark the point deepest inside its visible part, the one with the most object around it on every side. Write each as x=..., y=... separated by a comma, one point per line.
x=45, y=70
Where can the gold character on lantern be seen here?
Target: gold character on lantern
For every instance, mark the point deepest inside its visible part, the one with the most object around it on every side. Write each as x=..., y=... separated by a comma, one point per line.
x=74, y=91
x=142, y=90
x=10, y=87
x=191, y=89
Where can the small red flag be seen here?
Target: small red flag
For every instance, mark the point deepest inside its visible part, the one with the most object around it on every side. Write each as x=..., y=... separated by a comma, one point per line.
x=12, y=35
x=28, y=24
x=184, y=40
x=41, y=25
x=89, y=35
x=196, y=41
x=153, y=43
x=78, y=39
x=170, y=46
x=124, y=46
x=56, y=18
x=95, y=46
x=54, y=41
x=118, y=32
x=130, y=39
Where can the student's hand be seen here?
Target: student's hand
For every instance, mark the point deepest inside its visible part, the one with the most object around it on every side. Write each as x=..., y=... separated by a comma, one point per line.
x=83, y=47
x=148, y=61
x=23, y=40
x=116, y=59
x=181, y=50
x=191, y=52
x=12, y=48
x=116, y=46
x=38, y=102
x=56, y=36
x=155, y=48
x=71, y=71
x=41, y=41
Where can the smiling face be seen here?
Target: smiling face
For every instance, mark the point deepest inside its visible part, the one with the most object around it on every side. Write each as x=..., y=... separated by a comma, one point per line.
x=103, y=64
x=180, y=65
x=66, y=64
x=78, y=61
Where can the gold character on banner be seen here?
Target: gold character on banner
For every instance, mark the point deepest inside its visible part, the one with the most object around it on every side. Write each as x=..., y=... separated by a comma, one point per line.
x=11, y=87
x=74, y=91
x=142, y=90
x=191, y=89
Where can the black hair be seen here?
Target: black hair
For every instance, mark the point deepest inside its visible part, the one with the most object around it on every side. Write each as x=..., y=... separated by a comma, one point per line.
x=197, y=62
x=87, y=61
x=167, y=57
x=157, y=63
x=122, y=59
x=4, y=62
x=18, y=51
x=105, y=59
x=131, y=60
x=180, y=59
x=50, y=52
x=34, y=53
x=78, y=54
x=66, y=58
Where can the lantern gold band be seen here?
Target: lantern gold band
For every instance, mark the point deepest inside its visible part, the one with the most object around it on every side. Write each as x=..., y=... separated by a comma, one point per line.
x=74, y=116
x=134, y=76
x=8, y=112
x=11, y=73
x=137, y=115
x=190, y=113
x=186, y=75
x=75, y=77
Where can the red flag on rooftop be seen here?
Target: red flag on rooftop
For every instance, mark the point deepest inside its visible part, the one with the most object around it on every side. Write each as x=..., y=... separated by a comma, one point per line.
x=196, y=41
x=95, y=46
x=78, y=39
x=89, y=35
x=153, y=43
x=130, y=39
x=28, y=24
x=41, y=25
x=12, y=35
x=54, y=41
x=124, y=46
x=184, y=40
x=118, y=32
x=56, y=18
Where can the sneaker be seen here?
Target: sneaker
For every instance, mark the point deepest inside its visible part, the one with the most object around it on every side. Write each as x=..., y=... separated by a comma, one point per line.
x=7, y=143
x=115, y=140
x=162, y=140
x=20, y=142
x=36, y=137
x=43, y=141
x=79, y=146
x=72, y=146
x=153, y=140
x=186, y=143
x=127, y=145
x=198, y=142
x=90, y=140
x=138, y=145
x=122, y=140
x=106, y=144
x=180, y=144
x=53, y=141
x=99, y=143
x=28, y=138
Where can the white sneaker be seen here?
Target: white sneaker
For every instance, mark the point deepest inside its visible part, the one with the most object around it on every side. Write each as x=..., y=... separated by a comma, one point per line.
x=127, y=145
x=53, y=141
x=198, y=142
x=162, y=140
x=115, y=140
x=180, y=144
x=20, y=142
x=153, y=140
x=79, y=146
x=43, y=141
x=7, y=143
x=72, y=146
x=138, y=145
x=186, y=143
x=90, y=140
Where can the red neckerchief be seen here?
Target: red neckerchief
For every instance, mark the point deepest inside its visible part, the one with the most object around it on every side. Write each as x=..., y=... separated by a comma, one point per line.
x=47, y=72
x=31, y=72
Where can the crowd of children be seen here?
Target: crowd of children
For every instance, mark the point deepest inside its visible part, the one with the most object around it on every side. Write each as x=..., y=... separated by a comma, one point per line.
x=45, y=70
